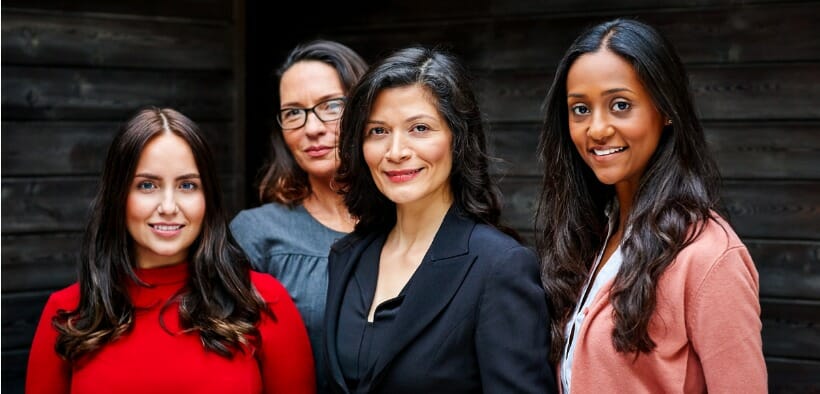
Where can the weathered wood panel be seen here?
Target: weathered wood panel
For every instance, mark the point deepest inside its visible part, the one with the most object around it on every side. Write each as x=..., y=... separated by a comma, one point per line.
x=751, y=34
x=543, y=8
x=39, y=261
x=14, y=371
x=757, y=209
x=788, y=269
x=21, y=313
x=791, y=328
x=789, y=376
x=79, y=148
x=62, y=204
x=782, y=150
x=94, y=94
x=217, y=10
x=37, y=39
x=721, y=93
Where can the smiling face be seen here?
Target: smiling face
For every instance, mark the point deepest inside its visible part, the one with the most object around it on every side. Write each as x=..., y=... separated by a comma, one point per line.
x=613, y=120
x=166, y=203
x=313, y=145
x=408, y=147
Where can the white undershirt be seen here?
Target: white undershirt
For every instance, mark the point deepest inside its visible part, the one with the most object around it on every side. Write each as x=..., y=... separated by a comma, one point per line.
x=573, y=327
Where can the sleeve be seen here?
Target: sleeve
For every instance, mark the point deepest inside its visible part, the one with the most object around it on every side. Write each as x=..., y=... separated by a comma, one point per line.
x=285, y=358
x=247, y=236
x=726, y=328
x=47, y=372
x=512, y=338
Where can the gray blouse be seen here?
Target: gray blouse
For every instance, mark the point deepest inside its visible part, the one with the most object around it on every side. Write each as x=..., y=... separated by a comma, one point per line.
x=293, y=246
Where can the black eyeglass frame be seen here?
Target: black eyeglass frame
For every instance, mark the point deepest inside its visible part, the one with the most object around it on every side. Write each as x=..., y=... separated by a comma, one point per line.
x=343, y=101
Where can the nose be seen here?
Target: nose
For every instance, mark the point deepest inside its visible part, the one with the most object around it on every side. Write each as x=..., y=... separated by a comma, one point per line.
x=397, y=150
x=600, y=128
x=168, y=204
x=314, y=127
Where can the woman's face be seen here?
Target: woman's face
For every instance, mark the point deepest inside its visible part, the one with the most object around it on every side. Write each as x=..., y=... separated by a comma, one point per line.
x=408, y=147
x=313, y=146
x=166, y=203
x=613, y=121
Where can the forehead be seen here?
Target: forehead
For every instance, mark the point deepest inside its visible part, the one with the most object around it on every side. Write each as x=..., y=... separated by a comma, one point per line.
x=309, y=79
x=406, y=99
x=602, y=70
x=167, y=153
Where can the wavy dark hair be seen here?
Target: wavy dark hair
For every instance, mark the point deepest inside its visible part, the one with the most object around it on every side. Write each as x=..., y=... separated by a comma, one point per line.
x=440, y=73
x=677, y=193
x=283, y=180
x=218, y=302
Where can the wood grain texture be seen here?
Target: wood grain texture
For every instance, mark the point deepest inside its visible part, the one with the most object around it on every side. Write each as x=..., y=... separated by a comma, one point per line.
x=208, y=10
x=789, y=376
x=36, y=93
x=773, y=150
x=39, y=261
x=70, y=40
x=730, y=92
x=791, y=328
x=14, y=371
x=80, y=147
x=787, y=269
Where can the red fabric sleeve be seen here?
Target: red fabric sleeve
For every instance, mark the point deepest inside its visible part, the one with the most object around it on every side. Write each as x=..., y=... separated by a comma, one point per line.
x=47, y=372
x=285, y=358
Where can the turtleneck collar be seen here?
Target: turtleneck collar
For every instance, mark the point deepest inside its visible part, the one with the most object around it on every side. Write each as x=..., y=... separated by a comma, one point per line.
x=166, y=275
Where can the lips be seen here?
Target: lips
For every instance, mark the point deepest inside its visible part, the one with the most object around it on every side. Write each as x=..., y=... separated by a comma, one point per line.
x=318, y=150
x=607, y=151
x=166, y=229
x=399, y=176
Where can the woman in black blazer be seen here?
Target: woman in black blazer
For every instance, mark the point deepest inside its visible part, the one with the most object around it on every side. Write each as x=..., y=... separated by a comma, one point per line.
x=428, y=294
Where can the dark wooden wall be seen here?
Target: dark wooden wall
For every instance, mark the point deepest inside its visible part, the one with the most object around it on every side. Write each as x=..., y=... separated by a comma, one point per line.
x=72, y=72
x=755, y=71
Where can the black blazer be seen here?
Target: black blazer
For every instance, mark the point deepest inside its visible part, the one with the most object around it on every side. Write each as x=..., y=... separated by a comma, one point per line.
x=474, y=319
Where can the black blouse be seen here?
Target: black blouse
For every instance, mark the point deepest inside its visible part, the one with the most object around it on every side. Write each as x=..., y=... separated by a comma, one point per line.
x=358, y=341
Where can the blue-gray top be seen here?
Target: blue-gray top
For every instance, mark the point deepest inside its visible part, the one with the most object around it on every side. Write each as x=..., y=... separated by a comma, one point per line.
x=293, y=246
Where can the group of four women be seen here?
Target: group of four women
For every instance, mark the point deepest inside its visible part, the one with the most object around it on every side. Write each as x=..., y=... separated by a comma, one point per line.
x=390, y=269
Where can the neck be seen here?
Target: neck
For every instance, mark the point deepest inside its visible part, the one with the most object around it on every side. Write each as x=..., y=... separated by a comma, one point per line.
x=625, y=197
x=417, y=224
x=327, y=206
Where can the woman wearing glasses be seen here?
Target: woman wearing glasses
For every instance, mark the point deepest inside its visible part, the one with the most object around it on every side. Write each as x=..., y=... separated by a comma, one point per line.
x=289, y=236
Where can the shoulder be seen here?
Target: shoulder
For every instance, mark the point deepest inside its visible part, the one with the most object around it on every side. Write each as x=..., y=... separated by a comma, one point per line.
x=67, y=298
x=261, y=215
x=268, y=287
x=486, y=239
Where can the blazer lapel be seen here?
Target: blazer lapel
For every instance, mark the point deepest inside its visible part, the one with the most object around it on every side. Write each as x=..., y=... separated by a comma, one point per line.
x=433, y=285
x=341, y=264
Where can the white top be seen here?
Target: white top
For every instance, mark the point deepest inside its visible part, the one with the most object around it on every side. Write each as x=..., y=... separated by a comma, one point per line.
x=591, y=289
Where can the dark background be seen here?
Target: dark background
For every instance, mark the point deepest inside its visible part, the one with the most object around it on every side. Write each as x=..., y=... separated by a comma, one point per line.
x=73, y=71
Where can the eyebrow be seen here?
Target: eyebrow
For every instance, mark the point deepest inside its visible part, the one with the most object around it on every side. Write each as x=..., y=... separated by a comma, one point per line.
x=606, y=92
x=157, y=177
x=410, y=119
x=296, y=104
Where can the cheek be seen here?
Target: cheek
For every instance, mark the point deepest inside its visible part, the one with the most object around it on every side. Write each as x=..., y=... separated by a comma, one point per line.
x=139, y=207
x=291, y=140
x=578, y=136
x=194, y=207
x=373, y=153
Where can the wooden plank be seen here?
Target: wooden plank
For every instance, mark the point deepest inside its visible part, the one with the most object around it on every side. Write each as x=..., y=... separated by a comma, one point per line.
x=61, y=204
x=215, y=10
x=21, y=313
x=92, y=94
x=757, y=209
x=788, y=376
x=536, y=7
x=782, y=150
x=39, y=261
x=79, y=148
x=14, y=371
x=731, y=92
x=788, y=269
x=38, y=39
x=791, y=328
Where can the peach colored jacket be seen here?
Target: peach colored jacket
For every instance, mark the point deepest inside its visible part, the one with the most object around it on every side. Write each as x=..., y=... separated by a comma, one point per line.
x=706, y=326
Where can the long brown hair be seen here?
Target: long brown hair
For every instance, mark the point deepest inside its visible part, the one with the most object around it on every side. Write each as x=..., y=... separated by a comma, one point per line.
x=218, y=301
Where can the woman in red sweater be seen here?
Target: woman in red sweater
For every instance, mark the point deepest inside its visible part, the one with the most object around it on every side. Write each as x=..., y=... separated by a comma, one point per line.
x=166, y=301
x=651, y=290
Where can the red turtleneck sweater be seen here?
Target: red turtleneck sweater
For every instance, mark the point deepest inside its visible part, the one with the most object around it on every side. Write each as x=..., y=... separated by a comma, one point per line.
x=150, y=360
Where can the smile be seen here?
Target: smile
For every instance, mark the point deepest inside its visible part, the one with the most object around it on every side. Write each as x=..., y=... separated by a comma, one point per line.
x=164, y=227
x=318, y=151
x=606, y=152
x=402, y=175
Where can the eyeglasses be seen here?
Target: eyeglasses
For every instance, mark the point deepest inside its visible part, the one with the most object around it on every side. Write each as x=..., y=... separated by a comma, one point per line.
x=326, y=111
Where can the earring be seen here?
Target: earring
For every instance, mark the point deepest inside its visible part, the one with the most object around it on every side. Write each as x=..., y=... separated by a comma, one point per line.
x=668, y=122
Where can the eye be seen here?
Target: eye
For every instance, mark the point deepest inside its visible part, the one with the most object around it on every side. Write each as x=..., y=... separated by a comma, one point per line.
x=420, y=128
x=146, y=185
x=620, y=106
x=580, y=109
x=377, y=131
x=188, y=186
x=289, y=113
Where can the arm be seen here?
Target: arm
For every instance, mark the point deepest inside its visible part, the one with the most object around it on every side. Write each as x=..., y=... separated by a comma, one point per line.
x=47, y=372
x=512, y=338
x=285, y=358
x=725, y=326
